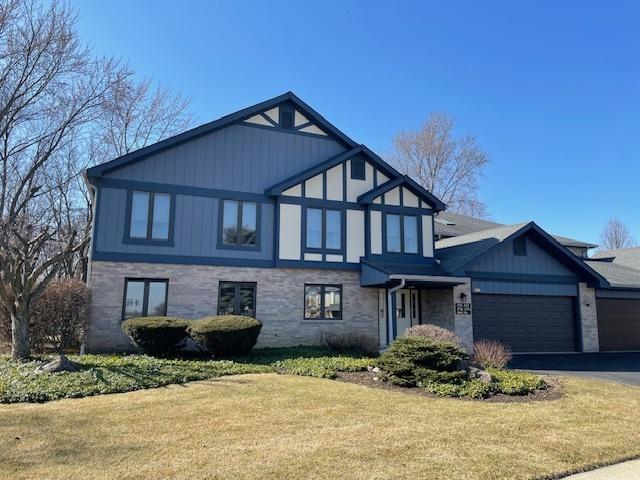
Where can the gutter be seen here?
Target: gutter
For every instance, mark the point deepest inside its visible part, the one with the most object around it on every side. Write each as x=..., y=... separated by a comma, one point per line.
x=390, y=292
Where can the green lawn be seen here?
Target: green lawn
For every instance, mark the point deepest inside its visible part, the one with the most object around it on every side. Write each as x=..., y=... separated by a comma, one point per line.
x=290, y=427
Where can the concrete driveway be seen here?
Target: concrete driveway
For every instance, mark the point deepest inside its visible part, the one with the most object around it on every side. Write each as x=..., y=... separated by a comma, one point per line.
x=616, y=367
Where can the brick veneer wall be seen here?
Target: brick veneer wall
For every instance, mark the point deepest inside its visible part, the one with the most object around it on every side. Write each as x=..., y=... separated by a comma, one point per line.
x=193, y=292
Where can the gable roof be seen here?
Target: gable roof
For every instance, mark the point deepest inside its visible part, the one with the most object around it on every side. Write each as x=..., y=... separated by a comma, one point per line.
x=618, y=276
x=280, y=187
x=457, y=253
x=222, y=122
x=628, y=257
x=424, y=194
x=449, y=224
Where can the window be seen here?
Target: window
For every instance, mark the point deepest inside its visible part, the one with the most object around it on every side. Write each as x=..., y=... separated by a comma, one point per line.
x=357, y=170
x=239, y=220
x=323, y=302
x=144, y=298
x=286, y=118
x=150, y=216
x=520, y=246
x=237, y=299
x=410, y=239
x=402, y=233
x=393, y=234
x=324, y=229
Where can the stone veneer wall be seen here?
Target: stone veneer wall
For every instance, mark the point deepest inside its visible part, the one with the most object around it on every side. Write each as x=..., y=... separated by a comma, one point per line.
x=193, y=292
x=588, y=318
x=437, y=307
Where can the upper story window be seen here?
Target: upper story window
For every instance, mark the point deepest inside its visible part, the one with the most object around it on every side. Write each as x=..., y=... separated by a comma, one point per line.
x=150, y=215
x=324, y=229
x=144, y=298
x=402, y=233
x=239, y=223
x=358, y=170
x=520, y=247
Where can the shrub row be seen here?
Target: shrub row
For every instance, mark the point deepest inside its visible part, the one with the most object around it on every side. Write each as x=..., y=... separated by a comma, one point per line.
x=222, y=336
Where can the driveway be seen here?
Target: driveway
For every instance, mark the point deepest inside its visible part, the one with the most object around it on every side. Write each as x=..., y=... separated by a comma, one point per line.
x=616, y=367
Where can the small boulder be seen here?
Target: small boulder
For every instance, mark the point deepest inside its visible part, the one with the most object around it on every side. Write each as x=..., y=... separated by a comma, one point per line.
x=479, y=374
x=58, y=364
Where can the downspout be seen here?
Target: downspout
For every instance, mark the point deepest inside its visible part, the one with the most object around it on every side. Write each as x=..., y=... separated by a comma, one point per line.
x=94, y=208
x=390, y=293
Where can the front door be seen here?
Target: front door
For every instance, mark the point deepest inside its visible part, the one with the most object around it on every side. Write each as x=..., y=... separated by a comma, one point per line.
x=407, y=309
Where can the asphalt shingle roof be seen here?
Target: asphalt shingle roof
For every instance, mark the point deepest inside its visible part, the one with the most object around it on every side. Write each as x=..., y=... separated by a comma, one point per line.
x=616, y=275
x=627, y=257
x=456, y=252
x=464, y=225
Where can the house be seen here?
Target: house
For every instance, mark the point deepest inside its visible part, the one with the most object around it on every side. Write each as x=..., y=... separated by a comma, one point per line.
x=273, y=212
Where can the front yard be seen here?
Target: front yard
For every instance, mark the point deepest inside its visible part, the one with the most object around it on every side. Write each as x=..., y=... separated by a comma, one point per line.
x=289, y=427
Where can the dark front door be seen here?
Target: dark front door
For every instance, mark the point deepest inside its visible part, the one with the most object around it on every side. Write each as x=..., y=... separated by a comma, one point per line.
x=237, y=299
x=527, y=323
x=618, y=324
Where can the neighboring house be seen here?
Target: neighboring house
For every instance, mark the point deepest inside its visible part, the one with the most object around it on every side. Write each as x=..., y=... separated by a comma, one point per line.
x=450, y=224
x=273, y=212
x=627, y=257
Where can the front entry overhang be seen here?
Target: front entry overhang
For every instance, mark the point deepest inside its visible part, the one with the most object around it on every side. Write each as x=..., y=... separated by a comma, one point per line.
x=383, y=275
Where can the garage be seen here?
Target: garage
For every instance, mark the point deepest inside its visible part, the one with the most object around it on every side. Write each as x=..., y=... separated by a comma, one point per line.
x=527, y=323
x=618, y=324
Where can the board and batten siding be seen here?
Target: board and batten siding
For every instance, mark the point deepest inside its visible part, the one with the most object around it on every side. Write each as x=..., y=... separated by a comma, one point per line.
x=538, y=264
x=239, y=157
x=195, y=228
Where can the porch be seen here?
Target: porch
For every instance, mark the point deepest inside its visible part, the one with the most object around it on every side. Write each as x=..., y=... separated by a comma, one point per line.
x=410, y=295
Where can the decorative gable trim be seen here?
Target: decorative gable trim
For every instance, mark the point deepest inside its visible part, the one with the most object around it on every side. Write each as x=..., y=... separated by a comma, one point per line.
x=394, y=194
x=265, y=112
x=381, y=166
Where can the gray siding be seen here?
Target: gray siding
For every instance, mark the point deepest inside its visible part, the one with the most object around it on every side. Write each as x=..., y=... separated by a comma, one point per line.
x=536, y=262
x=240, y=158
x=521, y=288
x=195, y=230
x=618, y=293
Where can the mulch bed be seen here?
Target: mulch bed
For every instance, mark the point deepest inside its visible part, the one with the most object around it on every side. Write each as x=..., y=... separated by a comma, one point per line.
x=552, y=392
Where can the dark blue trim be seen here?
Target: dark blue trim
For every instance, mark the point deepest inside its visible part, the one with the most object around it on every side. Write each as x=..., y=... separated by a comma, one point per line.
x=292, y=131
x=399, y=210
x=279, y=187
x=268, y=119
x=394, y=314
x=323, y=249
x=403, y=181
x=317, y=265
x=357, y=163
x=181, y=259
x=225, y=121
x=301, y=126
x=182, y=190
x=128, y=239
x=523, y=277
x=319, y=203
x=402, y=255
x=243, y=247
x=557, y=251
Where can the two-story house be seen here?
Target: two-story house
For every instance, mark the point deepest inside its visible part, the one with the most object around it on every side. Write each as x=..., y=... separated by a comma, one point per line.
x=273, y=212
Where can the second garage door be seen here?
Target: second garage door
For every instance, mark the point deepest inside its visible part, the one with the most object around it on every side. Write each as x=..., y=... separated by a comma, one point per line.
x=526, y=323
x=618, y=324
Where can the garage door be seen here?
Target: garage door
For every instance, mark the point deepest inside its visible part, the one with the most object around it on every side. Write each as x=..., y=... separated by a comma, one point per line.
x=618, y=324
x=526, y=323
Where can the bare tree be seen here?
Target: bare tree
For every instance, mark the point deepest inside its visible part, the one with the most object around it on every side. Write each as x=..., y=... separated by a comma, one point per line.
x=448, y=166
x=133, y=115
x=616, y=234
x=50, y=88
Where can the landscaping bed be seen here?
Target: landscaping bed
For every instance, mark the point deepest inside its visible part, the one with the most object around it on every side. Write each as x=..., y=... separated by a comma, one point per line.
x=102, y=374
x=551, y=391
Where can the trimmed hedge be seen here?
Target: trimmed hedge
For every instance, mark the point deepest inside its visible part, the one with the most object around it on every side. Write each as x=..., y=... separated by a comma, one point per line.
x=158, y=336
x=226, y=335
x=412, y=361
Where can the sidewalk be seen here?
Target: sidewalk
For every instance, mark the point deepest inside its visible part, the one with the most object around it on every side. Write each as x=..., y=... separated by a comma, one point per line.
x=622, y=471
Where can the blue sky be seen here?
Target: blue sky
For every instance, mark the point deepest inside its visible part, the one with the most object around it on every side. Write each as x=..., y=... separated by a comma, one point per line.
x=550, y=89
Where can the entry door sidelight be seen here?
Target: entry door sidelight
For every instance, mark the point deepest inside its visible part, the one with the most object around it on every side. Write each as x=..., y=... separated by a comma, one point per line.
x=237, y=299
